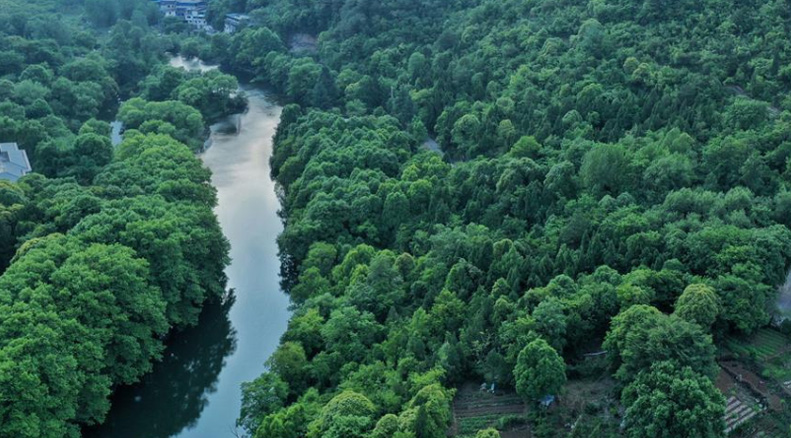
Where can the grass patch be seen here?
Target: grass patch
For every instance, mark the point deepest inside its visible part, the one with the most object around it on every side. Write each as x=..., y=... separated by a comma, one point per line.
x=471, y=425
x=468, y=427
x=765, y=343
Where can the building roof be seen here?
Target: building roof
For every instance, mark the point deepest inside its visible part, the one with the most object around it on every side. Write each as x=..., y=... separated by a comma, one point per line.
x=237, y=17
x=14, y=163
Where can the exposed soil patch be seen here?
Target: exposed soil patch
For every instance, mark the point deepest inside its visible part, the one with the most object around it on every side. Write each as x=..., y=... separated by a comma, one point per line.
x=755, y=383
x=581, y=393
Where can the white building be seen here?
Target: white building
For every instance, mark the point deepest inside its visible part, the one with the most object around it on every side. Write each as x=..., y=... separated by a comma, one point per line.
x=196, y=18
x=13, y=162
x=193, y=12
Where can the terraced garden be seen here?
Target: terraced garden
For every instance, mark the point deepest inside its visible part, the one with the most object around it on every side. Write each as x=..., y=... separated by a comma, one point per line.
x=762, y=364
x=763, y=345
x=474, y=410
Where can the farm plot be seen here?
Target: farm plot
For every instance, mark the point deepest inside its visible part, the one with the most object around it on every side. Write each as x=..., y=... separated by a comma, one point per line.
x=474, y=410
x=737, y=412
x=762, y=346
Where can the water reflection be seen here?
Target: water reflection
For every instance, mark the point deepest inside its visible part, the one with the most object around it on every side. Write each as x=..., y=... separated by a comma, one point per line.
x=116, y=128
x=172, y=397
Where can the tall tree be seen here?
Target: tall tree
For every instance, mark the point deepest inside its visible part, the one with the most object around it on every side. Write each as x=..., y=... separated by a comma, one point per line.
x=539, y=371
x=669, y=400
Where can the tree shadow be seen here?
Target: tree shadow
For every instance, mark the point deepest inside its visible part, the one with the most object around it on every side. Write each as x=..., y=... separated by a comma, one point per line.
x=171, y=398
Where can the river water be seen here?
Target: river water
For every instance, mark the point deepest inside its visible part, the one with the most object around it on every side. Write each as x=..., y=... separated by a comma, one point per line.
x=784, y=300
x=194, y=392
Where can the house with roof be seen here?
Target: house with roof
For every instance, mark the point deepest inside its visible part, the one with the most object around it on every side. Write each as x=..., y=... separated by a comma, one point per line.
x=234, y=21
x=196, y=18
x=167, y=7
x=13, y=162
x=193, y=12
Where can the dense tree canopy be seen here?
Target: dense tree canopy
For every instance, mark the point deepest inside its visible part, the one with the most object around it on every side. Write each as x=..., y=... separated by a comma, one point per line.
x=668, y=400
x=539, y=371
x=611, y=171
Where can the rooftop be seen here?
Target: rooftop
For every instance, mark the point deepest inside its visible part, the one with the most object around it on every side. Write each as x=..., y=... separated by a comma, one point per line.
x=237, y=16
x=14, y=163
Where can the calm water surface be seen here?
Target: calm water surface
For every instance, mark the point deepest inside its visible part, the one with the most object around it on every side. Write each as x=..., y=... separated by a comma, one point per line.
x=195, y=391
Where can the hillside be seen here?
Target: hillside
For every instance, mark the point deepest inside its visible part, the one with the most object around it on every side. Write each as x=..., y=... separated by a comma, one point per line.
x=615, y=177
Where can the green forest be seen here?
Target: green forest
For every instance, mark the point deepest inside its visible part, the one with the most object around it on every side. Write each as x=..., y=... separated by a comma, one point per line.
x=104, y=250
x=473, y=191
x=614, y=177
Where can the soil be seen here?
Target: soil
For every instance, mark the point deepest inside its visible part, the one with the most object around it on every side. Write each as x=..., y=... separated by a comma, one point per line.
x=758, y=385
x=471, y=402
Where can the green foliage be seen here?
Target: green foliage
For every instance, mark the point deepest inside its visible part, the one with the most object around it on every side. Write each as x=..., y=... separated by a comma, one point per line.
x=386, y=427
x=550, y=322
x=110, y=250
x=597, y=157
x=103, y=313
x=605, y=169
x=526, y=147
x=641, y=336
x=669, y=400
x=431, y=407
x=539, y=371
x=12, y=203
x=348, y=414
x=212, y=93
x=263, y=396
x=109, y=288
x=105, y=13
x=488, y=433
x=699, y=304
x=291, y=422
x=289, y=362
x=181, y=121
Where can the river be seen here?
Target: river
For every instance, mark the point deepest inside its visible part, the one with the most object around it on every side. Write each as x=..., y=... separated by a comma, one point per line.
x=194, y=392
x=784, y=300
